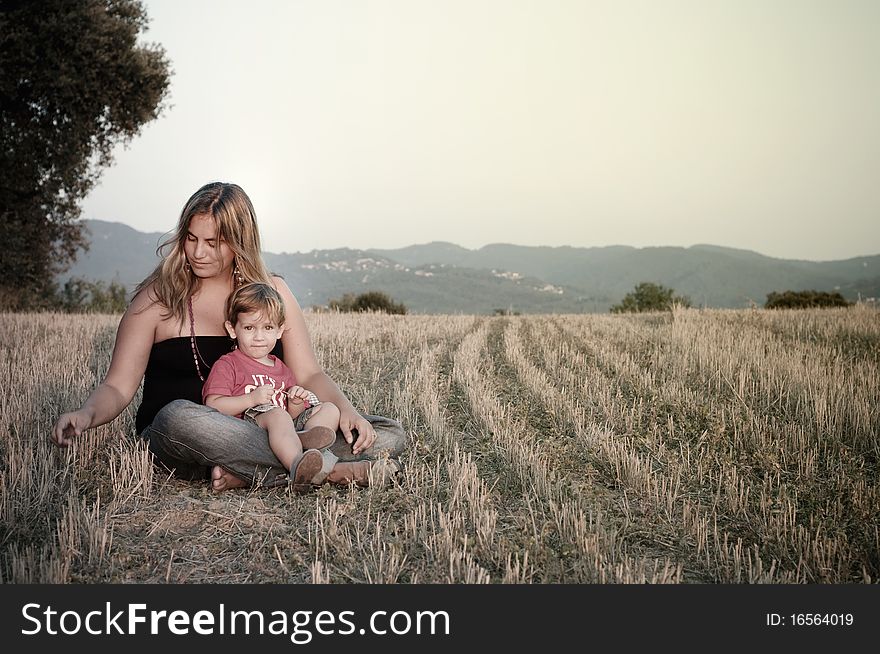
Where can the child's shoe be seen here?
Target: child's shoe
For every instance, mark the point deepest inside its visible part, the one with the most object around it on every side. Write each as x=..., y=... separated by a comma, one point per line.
x=305, y=471
x=317, y=438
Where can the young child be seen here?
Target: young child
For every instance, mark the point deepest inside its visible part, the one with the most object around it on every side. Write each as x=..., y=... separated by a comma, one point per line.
x=253, y=384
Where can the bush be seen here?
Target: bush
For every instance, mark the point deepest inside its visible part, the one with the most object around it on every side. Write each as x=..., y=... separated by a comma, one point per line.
x=371, y=301
x=650, y=297
x=82, y=296
x=804, y=300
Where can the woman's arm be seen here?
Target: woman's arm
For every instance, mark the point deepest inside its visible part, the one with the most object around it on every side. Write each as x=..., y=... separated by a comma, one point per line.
x=134, y=339
x=300, y=358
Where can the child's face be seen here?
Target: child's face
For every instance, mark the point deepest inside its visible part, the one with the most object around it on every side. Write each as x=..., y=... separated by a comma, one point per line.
x=255, y=333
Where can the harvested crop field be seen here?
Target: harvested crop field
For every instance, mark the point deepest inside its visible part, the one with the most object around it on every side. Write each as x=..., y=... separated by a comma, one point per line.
x=699, y=446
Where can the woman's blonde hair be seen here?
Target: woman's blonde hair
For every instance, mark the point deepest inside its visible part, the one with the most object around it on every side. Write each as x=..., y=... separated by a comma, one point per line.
x=256, y=297
x=173, y=280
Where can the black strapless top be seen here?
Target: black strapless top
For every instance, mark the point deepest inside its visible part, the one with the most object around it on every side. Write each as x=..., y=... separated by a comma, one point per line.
x=171, y=372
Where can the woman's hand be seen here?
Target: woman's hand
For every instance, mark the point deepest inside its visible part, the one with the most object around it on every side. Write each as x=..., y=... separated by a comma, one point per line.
x=70, y=425
x=366, y=435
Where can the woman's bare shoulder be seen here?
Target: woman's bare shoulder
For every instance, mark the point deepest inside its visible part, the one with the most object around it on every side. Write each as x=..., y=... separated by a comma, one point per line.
x=146, y=311
x=134, y=336
x=298, y=351
x=282, y=288
x=145, y=301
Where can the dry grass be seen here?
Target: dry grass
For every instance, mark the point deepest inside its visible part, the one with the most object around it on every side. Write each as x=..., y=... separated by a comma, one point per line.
x=698, y=446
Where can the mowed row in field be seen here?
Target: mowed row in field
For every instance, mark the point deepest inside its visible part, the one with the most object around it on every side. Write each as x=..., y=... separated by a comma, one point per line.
x=694, y=446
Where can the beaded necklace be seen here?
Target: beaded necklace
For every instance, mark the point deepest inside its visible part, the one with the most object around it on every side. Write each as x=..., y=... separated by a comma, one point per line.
x=239, y=281
x=192, y=341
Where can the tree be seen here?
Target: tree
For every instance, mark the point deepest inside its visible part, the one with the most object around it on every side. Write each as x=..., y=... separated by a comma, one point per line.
x=371, y=301
x=74, y=83
x=804, y=300
x=650, y=297
x=83, y=296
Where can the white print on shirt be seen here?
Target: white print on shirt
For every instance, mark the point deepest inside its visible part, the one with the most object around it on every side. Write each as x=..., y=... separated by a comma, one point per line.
x=278, y=397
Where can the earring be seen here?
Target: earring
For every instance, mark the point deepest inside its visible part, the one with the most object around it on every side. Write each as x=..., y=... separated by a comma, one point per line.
x=236, y=275
x=186, y=265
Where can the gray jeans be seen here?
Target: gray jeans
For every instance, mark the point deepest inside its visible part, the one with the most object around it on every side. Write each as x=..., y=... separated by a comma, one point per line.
x=191, y=438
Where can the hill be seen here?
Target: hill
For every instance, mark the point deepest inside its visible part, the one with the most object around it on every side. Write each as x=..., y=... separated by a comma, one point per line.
x=443, y=277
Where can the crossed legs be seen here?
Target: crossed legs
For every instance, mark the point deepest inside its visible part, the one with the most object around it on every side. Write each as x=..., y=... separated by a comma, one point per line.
x=198, y=442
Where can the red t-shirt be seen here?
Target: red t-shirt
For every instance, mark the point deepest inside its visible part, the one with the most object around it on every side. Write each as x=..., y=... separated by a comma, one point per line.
x=237, y=374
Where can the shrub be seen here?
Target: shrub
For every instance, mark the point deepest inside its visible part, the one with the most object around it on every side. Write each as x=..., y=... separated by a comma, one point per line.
x=650, y=297
x=82, y=296
x=804, y=300
x=370, y=301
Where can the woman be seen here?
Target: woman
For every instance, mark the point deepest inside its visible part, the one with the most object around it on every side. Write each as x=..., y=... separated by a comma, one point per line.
x=172, y=333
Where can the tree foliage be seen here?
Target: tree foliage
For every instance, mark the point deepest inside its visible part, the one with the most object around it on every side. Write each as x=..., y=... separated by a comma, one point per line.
x=75, y=83
x=647, y=296
x=84, y=296
x=804, y=300
x=371, y=301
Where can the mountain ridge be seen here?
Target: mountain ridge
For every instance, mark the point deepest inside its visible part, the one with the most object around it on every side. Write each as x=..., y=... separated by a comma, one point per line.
x=442, y=277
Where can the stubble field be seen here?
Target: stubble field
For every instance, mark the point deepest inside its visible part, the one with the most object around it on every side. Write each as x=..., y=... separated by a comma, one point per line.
x=691, y=447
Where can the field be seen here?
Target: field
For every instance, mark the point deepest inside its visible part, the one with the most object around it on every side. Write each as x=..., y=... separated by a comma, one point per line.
x=687, y=447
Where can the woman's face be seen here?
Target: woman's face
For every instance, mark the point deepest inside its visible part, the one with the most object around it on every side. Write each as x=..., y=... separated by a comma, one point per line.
x=208, y=255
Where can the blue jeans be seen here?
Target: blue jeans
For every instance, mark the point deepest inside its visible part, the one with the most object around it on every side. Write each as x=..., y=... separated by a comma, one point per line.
x=191, y=438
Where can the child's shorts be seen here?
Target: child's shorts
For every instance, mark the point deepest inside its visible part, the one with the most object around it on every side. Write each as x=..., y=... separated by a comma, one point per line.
x=299, y=423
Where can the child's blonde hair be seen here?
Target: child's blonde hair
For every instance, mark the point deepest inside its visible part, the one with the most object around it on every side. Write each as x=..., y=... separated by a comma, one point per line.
x=255, y=297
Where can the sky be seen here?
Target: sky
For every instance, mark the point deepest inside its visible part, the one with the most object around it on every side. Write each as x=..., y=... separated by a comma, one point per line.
x=751, y=124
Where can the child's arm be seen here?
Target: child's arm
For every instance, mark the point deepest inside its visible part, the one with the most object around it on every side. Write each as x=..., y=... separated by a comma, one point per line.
x=232, y=405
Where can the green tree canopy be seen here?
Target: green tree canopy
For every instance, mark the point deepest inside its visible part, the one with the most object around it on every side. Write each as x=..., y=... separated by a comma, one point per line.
x=74, y=82
x=649, y=297
x=83, y=296
x=370, y=301
x=804, y=300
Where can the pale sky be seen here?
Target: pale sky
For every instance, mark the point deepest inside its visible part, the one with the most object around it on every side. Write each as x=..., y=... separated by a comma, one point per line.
x=745, y=123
